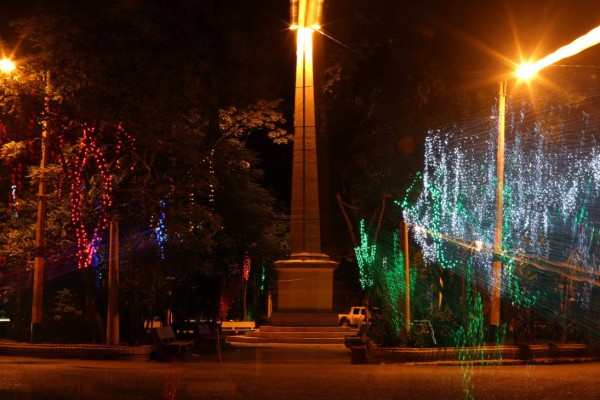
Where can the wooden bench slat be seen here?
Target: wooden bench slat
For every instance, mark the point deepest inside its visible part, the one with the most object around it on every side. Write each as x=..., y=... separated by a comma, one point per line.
x=237, y=326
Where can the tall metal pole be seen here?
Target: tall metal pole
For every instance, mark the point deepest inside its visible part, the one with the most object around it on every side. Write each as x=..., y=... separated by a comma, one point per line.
x=497, y=259
x=112, y=318
x=406, y=279
x=40, y=235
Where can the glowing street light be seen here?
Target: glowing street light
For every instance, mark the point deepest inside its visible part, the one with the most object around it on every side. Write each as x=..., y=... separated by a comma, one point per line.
x=7, y=66
x=525, y=72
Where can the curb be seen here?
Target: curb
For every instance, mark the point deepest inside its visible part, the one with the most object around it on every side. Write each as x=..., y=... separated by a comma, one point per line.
x=76, y=351
x=486, y=355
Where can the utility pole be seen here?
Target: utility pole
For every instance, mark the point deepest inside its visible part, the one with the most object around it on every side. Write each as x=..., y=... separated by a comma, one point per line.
x=406, y=278
x=40, y=235
x=112, y=318
x=497, y=249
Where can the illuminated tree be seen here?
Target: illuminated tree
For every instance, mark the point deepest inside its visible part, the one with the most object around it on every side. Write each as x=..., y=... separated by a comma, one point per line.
x=382, y=277
x=150, y=120
x=551, y=198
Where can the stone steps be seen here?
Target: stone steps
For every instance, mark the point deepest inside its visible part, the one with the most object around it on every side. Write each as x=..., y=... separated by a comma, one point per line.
x=281, y=329
x=298, y=335
x=292, y=335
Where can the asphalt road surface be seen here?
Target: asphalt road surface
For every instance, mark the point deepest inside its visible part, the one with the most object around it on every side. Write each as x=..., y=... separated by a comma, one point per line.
x=288, y=372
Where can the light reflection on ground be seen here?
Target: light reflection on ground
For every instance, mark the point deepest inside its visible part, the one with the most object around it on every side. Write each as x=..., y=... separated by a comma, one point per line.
x=285, y=372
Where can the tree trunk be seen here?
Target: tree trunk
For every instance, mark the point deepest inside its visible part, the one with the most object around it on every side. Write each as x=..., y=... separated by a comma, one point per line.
x=95, y=321
x=347, y=219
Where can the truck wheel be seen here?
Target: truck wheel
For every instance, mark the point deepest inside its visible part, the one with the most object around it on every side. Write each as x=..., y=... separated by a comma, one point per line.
x=344, y=322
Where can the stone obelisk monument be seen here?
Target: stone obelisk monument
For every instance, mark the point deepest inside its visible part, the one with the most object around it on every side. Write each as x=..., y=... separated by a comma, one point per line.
x=305, y=280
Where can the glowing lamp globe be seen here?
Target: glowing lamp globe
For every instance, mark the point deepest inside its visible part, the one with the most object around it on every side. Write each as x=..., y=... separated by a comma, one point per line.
x=526, y=71
x=6, y=65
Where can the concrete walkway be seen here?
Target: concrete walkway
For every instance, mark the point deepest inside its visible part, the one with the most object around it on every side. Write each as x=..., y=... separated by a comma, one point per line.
x=290, y=372
x=504, y=355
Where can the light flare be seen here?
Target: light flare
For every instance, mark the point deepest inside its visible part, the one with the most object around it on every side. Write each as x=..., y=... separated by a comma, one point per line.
x=592, y=38
x=306, y=13
x=526, y=71
x=7, y=65
x=304, y=43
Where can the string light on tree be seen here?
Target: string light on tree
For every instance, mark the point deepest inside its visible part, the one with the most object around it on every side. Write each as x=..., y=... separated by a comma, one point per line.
x=91, y=159
x=551, y=194
x=160, y=231
x=365, y=257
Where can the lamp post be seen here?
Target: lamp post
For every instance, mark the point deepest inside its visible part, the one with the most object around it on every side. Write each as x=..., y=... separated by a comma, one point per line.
x=497, y=247
x=7, y=66
x=40, y=228
x=525, y=71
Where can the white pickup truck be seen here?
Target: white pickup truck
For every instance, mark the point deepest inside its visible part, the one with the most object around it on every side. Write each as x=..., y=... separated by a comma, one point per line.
x=356, y=316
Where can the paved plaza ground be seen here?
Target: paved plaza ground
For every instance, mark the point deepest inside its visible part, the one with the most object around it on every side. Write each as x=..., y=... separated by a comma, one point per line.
x=287, y=372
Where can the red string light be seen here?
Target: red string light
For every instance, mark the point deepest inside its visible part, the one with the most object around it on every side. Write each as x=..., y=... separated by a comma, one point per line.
x=91, y=155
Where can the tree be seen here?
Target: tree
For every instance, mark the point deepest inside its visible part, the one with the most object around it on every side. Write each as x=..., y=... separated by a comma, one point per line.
x=384, y=88
x=150, y=112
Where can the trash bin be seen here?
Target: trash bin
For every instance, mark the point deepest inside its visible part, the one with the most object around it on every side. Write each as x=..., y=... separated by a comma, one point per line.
x=358, y=355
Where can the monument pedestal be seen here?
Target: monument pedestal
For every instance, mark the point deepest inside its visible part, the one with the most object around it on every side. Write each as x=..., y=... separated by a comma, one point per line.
x=305, y=291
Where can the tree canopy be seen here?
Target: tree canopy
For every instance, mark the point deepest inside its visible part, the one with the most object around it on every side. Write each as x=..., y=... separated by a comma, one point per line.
x=149, y=106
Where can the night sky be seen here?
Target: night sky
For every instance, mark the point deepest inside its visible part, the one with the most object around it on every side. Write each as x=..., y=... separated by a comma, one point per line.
x=471, y=36
x=478, y=39
x=472, y=41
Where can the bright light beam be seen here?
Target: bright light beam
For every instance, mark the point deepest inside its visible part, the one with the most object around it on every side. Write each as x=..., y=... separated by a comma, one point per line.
x=306, y=14
x=592, y=38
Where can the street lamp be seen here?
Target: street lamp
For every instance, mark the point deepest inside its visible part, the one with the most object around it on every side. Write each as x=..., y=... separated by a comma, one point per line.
x=8, y=66
x=525, y=71
x=497, y=247
x=40, y=228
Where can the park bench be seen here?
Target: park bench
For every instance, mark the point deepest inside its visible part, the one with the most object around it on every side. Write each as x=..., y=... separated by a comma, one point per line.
x=206, y=338
x=166, y=345
x=237, y=327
